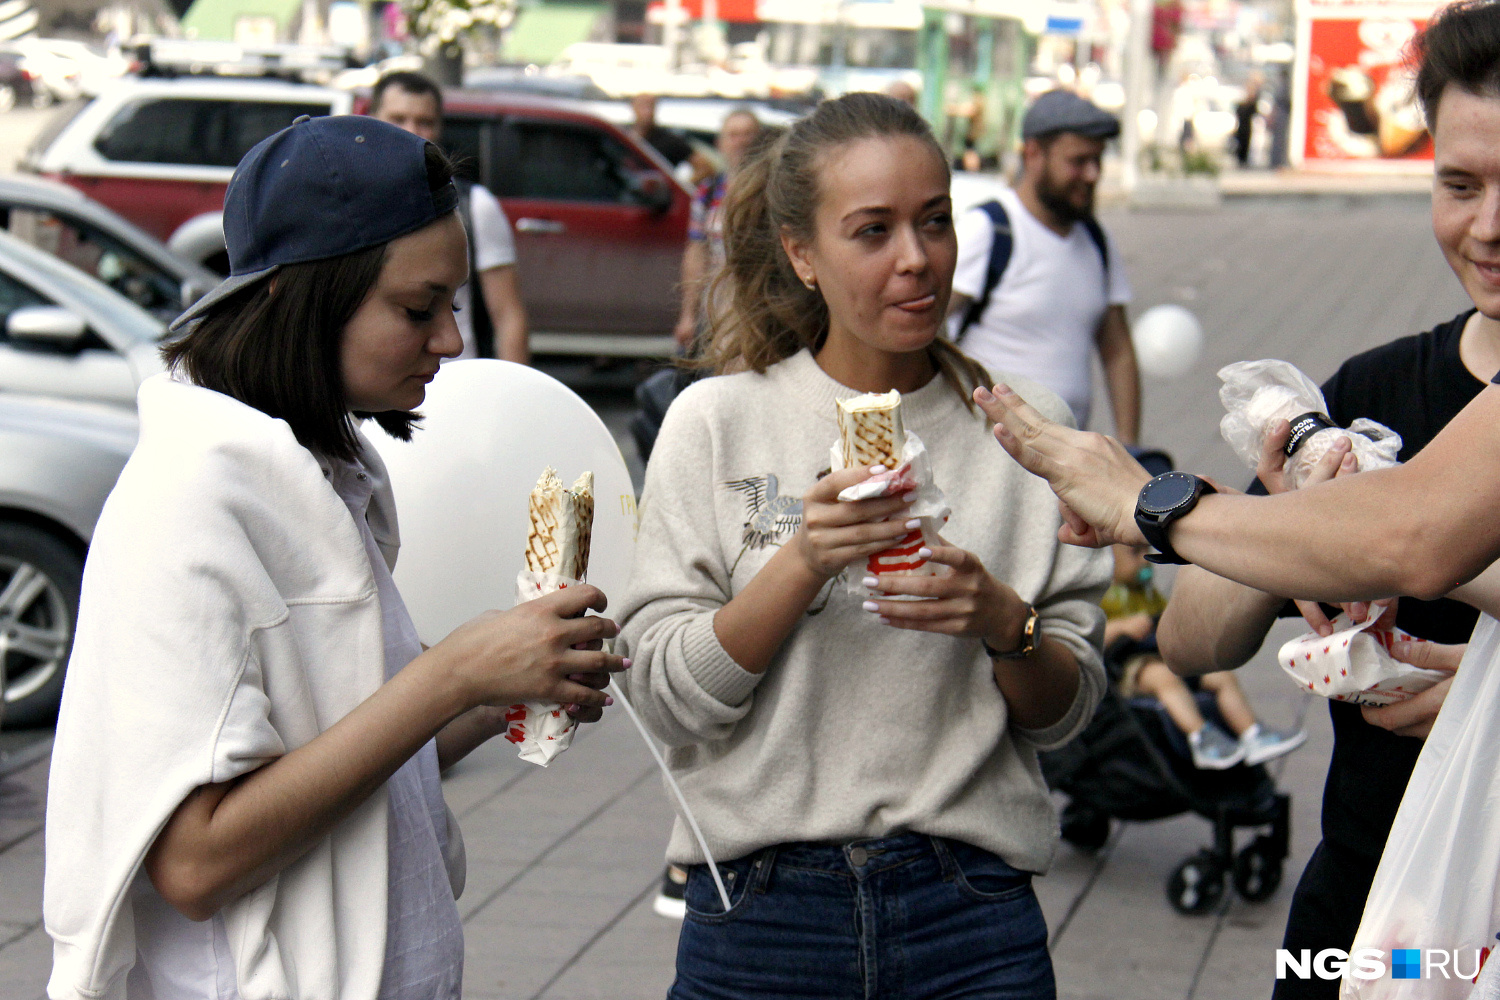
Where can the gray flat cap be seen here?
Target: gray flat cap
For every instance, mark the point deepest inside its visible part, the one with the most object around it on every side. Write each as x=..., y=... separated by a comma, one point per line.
x=1065, y=111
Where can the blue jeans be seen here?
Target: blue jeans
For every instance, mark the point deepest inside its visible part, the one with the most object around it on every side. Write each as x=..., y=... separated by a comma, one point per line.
x=908, y=917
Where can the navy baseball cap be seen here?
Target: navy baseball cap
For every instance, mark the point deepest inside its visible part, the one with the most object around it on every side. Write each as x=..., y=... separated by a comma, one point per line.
x=1065, y=111
x=319, y=188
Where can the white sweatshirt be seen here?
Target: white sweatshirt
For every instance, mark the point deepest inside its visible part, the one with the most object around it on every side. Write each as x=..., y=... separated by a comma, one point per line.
x=856, y=729
x=261, y=630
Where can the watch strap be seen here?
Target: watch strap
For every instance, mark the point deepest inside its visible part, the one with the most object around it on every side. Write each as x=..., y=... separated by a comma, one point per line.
x=1030, y=636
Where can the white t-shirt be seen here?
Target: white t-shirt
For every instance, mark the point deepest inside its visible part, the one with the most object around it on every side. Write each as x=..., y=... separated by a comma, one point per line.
x=494, y=246
x=1042, y=318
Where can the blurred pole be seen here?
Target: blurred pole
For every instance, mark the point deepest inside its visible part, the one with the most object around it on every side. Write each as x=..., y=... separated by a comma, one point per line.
x=1139, y=87
x=671, y=33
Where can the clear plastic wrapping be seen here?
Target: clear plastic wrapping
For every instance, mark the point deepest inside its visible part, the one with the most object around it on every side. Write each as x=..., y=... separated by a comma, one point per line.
x=1256, y=394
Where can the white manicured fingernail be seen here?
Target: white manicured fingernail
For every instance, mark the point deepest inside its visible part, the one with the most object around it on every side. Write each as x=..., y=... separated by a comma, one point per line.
x=871, y=606
x=914, y=523
x=882, y=619
x=870, y=582
x=925, y=552
x=876, y=470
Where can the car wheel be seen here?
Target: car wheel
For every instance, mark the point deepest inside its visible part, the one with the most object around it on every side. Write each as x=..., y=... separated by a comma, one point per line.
x=40, y=577
x=7, y=97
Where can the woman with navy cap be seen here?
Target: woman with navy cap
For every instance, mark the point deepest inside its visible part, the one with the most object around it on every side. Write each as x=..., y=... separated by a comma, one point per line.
x=244, y=798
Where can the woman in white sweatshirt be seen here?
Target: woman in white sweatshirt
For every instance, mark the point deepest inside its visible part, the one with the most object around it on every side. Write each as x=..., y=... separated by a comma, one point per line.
x=867, y=769
x=244, y=800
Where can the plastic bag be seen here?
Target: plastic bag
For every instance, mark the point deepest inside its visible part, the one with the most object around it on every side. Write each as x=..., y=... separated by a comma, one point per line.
x=930, y=505
x=539, y=730
x=1436, y=887
x=1256, y=394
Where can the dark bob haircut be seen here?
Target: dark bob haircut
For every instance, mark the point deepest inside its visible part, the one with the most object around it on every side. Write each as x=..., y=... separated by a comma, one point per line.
x=1461, y=47
x=275, y=346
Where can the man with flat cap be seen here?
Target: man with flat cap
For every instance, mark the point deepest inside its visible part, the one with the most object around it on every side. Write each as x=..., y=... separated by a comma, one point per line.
x=1039, y=286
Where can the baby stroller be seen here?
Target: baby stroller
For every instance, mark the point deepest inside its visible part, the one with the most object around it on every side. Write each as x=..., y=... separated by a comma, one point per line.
x=1131, y=763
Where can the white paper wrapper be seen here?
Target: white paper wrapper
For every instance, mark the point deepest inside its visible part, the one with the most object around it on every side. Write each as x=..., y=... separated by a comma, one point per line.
x=1256, y=394
x=930, y=505
x=1354, y=664
x=540, y=731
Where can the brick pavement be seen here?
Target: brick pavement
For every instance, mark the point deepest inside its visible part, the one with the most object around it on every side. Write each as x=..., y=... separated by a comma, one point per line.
x=563, y=862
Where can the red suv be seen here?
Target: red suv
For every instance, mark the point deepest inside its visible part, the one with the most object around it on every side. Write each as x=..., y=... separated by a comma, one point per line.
x=600, y=222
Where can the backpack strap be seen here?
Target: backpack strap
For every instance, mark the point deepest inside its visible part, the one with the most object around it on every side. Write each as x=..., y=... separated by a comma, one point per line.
x=1001, y=244
x=479, y=314
x=1096, y=233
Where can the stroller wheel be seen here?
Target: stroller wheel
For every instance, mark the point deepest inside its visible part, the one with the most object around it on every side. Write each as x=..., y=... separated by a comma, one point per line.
x=1197, y=885
x=1257, y=871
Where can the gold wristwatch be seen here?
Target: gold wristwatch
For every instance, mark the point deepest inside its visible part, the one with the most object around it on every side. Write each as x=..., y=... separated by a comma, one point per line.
x=1030, y=635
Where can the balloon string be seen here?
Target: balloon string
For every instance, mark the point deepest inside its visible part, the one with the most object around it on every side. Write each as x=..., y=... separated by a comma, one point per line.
x=672, y=783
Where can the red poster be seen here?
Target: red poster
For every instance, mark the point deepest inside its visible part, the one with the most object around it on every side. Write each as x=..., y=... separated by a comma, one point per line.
x=1360, y=105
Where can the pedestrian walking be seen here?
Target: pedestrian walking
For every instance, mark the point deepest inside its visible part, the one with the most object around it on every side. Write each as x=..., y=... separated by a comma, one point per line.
x=244, y=796
x=673, y=147
x=866, y=768
x=493, y=324
x=1039, y=287
x=705, y=248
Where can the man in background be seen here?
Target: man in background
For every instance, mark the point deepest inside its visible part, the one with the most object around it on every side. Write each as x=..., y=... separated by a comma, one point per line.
x=672, y=147
x=1039, y=286
x=705, y=249
x=494, y=324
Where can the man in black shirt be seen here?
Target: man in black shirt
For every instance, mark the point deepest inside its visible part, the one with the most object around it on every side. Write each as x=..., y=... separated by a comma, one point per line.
x=1414, y=386
x=673, y=147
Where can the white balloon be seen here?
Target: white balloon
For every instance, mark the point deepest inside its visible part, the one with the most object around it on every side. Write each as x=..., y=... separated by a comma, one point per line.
x=1168, y=340
x=463, y=481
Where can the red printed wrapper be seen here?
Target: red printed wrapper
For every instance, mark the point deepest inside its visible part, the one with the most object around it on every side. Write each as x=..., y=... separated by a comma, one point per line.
x=1354, y=664
x=540, y=731
x=913, y=474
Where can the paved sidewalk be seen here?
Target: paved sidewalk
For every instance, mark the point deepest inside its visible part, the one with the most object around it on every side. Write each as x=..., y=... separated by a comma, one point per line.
x=563, y=862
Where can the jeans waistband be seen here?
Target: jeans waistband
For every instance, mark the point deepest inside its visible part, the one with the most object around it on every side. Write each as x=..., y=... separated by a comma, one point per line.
x=859, y=858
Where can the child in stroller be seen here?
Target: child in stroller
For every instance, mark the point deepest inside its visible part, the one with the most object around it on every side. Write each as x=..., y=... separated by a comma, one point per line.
x=1133, y=606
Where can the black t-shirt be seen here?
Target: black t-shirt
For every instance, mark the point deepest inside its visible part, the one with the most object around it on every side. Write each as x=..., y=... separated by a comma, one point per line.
x=672, y=147
x=1414, y=386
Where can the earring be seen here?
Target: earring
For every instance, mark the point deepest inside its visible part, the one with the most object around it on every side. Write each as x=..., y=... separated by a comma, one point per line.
x=810, y=282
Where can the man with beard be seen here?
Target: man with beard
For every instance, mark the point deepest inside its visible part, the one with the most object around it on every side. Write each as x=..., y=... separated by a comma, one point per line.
x=1039, y=285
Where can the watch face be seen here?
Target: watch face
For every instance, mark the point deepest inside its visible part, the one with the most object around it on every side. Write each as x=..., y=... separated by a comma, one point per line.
x=1167, y=492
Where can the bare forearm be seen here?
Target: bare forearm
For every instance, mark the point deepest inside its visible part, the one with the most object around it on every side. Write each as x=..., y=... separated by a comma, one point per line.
x=694, y=267
x=227, y=839
x=502, y=297
x=1212, y=623
x=467, y=733
x=1039, y=689
x=1482, y=592
x=755, y=623
x=1122, y=375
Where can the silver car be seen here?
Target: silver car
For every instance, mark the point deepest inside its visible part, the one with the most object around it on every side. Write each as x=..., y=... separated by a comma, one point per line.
x=61, y=459
x=65, y=223
x=72, y=353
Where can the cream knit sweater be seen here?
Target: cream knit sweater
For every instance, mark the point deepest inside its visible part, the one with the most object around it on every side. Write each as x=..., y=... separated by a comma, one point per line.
x=856, y=729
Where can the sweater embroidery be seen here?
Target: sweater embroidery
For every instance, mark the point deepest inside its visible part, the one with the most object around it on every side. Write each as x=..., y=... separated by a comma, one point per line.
x=769, y=514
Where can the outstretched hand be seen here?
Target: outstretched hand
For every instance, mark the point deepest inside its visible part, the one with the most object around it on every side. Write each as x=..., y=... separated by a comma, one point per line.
x=1094, y=477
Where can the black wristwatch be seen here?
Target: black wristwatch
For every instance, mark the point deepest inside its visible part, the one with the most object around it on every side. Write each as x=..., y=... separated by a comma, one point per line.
x=1162, y=501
